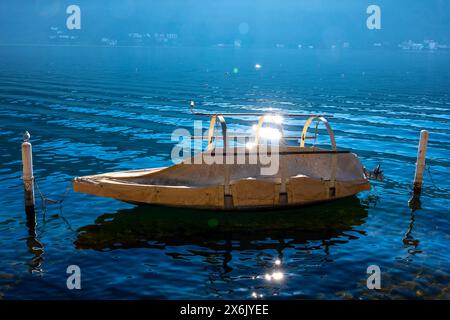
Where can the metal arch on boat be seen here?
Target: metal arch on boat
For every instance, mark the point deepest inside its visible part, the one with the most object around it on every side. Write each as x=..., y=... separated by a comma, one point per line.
x=259, y=126
x=332, y=184
x=327, y=124
x=212, y=127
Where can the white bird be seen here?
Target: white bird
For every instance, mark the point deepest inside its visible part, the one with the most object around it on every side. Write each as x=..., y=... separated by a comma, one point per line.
x=26, y=136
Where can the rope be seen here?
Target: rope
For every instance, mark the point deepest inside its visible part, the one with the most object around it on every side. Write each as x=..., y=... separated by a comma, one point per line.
x=45, y=199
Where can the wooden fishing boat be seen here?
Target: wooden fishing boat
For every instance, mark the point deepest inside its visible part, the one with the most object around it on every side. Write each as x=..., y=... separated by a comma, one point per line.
x=305, y=174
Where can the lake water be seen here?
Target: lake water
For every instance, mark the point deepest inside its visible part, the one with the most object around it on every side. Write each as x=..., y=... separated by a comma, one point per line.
x=92, y=110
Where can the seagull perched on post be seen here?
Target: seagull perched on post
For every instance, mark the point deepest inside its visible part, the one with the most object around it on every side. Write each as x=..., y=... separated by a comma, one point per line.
x=26, y=136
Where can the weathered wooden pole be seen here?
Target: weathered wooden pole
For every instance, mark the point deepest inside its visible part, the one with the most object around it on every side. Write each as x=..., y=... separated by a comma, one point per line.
x=414, y=202
x=420, y=163
x=28, y=178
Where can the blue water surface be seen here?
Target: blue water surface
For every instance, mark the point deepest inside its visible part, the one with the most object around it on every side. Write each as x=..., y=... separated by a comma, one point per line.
x=92, y=110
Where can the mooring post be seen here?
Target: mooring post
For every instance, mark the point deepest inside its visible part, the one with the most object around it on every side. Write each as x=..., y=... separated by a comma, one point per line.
x=28, y=178
x=414, y=202
x=420, y=163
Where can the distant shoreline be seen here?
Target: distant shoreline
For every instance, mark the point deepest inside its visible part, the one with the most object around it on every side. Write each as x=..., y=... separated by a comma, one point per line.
x=374, y=49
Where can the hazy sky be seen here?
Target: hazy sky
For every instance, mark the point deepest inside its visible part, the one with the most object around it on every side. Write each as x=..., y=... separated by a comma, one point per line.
x=263, y=22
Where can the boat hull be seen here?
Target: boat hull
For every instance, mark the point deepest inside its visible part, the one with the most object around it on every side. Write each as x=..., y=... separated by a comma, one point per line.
x=308, y=180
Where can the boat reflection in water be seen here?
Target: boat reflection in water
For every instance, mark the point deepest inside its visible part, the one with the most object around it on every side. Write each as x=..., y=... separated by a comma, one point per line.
x=150, y=226
x=241, y=253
